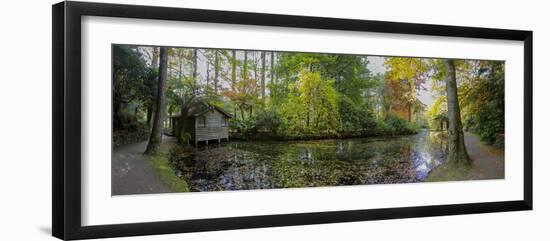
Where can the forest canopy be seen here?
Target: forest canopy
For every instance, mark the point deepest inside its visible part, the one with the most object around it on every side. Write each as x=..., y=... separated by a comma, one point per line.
x=292, y=95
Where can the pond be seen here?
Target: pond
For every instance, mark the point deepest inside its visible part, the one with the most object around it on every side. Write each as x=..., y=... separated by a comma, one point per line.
x=240, y=165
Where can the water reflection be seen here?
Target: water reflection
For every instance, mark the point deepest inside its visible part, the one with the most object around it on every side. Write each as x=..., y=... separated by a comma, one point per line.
x=263, y=165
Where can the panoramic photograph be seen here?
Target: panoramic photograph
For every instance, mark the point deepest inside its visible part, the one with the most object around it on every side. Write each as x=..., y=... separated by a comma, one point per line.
x=188, y=119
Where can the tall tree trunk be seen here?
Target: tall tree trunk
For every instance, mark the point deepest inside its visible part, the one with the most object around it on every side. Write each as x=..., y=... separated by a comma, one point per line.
x=207, y=76
x=156, y=134
x=255, y=67
x=182, y=122
x=216, y=71
x=234, y=77
x=412, y=95
x=409, y=112
x=155, y=61
x=242, y=112
x=152, y=103
x=457, y=150
x=273, y=62
x=245, y=65
x=272, y=70
x=263, y=74
x=117, y=108
x=307, y=117
x=233, y=69
x=181, y=67
x=195, y=71
x=150, y=112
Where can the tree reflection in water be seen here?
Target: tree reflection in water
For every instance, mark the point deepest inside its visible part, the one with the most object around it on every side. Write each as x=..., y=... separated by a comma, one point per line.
x=264, y=165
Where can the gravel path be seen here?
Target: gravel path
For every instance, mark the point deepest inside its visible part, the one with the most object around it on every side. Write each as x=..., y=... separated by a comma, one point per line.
x=487, y=163
x=132, y=172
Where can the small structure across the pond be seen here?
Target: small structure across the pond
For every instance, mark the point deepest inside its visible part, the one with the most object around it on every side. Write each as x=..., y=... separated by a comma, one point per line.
x=205, y=122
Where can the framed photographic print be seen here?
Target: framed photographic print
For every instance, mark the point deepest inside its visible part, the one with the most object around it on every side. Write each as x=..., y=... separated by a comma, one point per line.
x=216, y=120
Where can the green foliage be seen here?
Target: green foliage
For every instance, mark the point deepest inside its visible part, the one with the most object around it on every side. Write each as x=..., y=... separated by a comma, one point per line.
x=268, y=120
x=263, y=121
x=133, y=79
x=244, y=127
x=396, y=125
x=307, y=94
x=184, y=138
x=356, y=117
x=134, y=86
x=310, y=106
x=404, y=79
x=490, y=123
x=139, y=132
x=481, y=96
x=469, y=123
x=315, y=95
x=165, y=172
x=437, y=113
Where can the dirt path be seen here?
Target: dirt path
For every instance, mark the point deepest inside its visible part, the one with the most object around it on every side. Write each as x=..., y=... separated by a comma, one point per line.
x=487, y=161
x=132, y=172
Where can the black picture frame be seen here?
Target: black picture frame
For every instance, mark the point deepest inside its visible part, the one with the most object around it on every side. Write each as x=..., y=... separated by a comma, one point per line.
x=66, y=169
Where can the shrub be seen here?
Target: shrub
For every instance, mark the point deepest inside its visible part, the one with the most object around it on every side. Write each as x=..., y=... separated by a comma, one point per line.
x=140, y=132
x=267, y=120
x=244, y=127
x=397, y=125
x=491, y=123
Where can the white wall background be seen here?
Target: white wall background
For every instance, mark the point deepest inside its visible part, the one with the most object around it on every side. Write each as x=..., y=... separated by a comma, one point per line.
x=25, y=123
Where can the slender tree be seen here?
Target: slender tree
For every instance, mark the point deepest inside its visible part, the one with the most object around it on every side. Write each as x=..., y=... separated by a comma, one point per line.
x=263, y=74
x=188, y=97
x=151, y=106
x=234, y=76
x=207, y=76
x=457, y=149
x=272, y=69
x=195, y=69
x=233, y=69
x=155, y=138
x=181, y=57
x=255, y=65
x=245, y=65
x=244, y=79
x=408, y=75
x=216, y=70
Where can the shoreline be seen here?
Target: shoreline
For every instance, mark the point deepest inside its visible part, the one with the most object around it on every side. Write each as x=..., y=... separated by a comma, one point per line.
x=270, y=137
